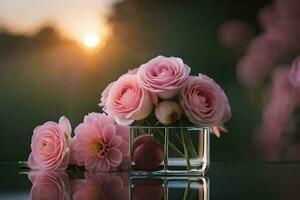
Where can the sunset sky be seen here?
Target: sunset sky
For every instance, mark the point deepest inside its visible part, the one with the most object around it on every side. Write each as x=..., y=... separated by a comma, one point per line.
x=76, y=19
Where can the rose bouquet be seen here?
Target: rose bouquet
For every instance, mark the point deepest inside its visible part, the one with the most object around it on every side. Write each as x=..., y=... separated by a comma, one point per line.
x=159, y=103
x=163, y=88
x=161, y=95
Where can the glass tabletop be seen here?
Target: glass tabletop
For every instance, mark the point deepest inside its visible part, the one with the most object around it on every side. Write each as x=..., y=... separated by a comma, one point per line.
x=224, y=180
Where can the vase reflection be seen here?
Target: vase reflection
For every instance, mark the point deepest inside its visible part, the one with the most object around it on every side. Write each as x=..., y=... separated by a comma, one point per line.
x=114, y=186
x=158, y=188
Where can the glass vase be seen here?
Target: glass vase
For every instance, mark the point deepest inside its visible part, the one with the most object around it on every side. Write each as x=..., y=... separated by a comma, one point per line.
x=169, y=150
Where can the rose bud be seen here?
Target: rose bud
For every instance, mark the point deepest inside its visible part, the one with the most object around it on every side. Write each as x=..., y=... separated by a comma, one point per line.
x=147, y=153
x=148, y=189
x=168, y=112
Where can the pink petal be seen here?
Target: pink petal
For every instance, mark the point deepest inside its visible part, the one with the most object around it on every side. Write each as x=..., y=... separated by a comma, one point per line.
x=123, y=121
x=115, y=156
x=32, y=163
x=124, y=148
x=116, y=141
x=123, y=131
x=109, y=132
x=103, y=165
x=65, y=125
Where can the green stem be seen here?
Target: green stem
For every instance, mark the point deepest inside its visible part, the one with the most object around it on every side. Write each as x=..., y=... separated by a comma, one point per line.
x=190, y=144
x=187, y=191
x=186, y=153
x=166, y=149
x=174, y=148
x=23, y=165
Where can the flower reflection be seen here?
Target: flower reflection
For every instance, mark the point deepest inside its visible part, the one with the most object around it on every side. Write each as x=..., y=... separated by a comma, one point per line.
x=49, y=185
x=101, y=186
x=114, y=186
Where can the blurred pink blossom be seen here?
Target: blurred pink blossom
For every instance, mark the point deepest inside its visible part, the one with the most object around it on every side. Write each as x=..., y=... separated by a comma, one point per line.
x=277, y=121
x=235, y=33
x=294, y=73
x=279, y=42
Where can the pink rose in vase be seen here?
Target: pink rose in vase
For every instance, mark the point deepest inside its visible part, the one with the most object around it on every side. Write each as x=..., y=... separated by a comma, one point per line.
x=204, y=102
x=50, y=145
x=163, y=76
x=99, y=144
x=127, y=100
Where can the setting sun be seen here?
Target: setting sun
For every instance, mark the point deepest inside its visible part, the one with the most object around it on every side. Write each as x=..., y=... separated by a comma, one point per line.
x=91, y=40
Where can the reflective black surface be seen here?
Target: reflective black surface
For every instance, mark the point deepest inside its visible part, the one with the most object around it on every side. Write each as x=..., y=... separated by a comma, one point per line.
x=224, y=180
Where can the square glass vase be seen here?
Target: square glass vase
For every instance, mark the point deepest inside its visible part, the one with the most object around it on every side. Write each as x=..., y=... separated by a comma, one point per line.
x=169, y=150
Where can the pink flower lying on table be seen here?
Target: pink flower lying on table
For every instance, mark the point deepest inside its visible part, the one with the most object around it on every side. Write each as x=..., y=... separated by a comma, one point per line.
x=163, y=76
x=99, y=144
x=50, y=145
x=204, y=102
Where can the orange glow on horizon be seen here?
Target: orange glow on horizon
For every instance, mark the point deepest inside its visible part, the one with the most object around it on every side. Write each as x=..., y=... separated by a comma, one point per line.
x=91, y=40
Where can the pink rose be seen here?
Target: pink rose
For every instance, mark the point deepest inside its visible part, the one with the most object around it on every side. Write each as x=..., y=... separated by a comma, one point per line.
x=105, y=92
x=99, y=144
x=294, y=73
x=128, y=101
x=168, y=112
x=204, y=102
x=164, y=76
x=104, y=95
x=49, y=185
x=50, y=145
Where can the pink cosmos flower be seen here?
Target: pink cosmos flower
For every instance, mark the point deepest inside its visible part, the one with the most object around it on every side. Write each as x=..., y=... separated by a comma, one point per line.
x=99, y=144
x=49, y=185
x=127, y=100
x=50, y=145
x=163, y=76
x=204, y=102
x=294, y=73
x=101, y=186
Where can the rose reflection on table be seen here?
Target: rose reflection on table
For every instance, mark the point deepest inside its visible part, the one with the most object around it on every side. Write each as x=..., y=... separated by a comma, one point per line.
x=114, y=186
